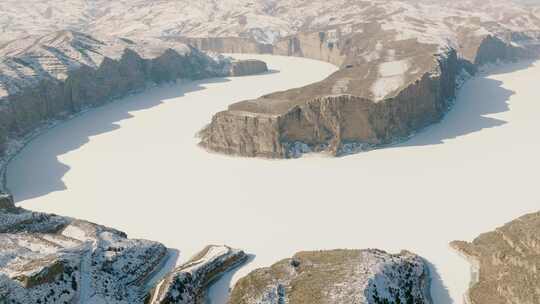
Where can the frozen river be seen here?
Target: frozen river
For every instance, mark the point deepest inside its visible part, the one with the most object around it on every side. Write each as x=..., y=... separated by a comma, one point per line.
x=134, y=165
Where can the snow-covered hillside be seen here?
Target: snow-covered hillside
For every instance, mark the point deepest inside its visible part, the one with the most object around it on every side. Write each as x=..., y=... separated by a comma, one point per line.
x=264, y=20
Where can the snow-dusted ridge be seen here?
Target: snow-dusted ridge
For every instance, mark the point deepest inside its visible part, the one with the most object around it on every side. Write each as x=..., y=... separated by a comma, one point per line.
x=52, y=259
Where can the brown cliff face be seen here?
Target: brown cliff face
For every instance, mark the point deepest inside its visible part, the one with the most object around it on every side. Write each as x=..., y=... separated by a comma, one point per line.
x=243, y=133
x=226, y=45
x=508, y=260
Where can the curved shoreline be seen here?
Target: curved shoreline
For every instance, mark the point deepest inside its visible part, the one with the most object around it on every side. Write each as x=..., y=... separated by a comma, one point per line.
x=338, y=162
x=17, y=145
x=475, y=270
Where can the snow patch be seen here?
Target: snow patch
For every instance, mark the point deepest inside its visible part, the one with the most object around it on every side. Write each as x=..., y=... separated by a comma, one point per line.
x=392, y=77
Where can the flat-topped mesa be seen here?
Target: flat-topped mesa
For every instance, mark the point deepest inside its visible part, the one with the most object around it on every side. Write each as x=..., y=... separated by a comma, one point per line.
x=399, y=69
x=6, y=201
x=247, y=67
x=505, y=263
x=188, y=283
x=338, y=276
x=354, y=117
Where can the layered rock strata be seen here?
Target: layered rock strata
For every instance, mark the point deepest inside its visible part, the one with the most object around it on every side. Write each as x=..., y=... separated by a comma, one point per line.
x=50, y=77
x=51, y=259
x=188, y=283
x=247, y=67
x=48, y=258
x=505, y=263
x=337, y=276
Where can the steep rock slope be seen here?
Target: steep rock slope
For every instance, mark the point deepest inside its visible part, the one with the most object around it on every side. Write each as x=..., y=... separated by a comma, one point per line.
x=43, y=78
x=505, y=263
x=284, y=124
x=338, y=276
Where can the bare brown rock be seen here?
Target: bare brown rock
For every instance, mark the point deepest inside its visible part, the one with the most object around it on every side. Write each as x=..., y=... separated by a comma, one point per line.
x=247, y=67
x=505, y=263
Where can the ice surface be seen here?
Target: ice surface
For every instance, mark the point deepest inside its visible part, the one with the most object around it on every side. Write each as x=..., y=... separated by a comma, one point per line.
x=134, y=165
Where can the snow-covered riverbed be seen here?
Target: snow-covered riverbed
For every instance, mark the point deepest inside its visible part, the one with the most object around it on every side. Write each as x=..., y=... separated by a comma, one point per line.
x=134, y=165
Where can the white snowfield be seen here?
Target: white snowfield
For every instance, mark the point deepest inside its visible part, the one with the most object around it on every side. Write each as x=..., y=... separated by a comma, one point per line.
x=135, y=165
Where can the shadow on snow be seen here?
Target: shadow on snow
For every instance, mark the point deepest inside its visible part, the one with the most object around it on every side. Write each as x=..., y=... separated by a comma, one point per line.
x=45, y=171
x=476, y=100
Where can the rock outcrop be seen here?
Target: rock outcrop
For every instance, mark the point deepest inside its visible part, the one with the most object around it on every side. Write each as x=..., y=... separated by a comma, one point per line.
x=47, y=258
x=338, y=276
x=247, y=67
x=396, y=76
x=51, y=259
x=505, y=263
x=188, y=283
